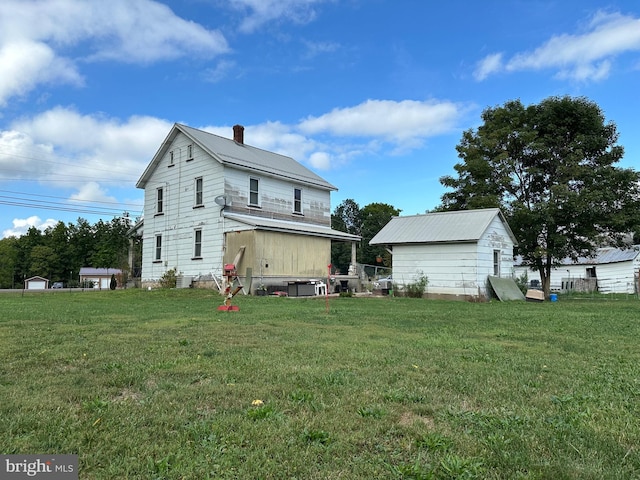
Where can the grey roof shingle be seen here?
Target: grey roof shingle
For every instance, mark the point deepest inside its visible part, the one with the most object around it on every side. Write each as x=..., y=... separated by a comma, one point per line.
x=440, y=227
x=240, y=155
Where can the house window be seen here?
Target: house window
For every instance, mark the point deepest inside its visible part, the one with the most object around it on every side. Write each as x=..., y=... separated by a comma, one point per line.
x=197, y=243
x=159, y=200
x=158, y=255
x=171, y=157
x=496, y=263
x=189, y=152
x=198, y=191
x=297, y=200
x=254, y=194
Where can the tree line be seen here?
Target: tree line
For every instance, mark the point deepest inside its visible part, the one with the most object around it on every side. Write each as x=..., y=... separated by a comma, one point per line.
x=366, y=222
x=552, y=169
x=59, y=252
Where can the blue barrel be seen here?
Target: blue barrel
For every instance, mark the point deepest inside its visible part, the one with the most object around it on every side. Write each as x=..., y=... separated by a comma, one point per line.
x=553, y=297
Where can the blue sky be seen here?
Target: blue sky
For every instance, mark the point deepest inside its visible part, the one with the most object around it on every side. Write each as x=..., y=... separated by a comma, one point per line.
x=373, y=95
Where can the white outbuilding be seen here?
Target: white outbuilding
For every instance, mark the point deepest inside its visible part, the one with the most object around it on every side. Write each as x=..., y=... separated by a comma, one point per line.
x=36, y=283
x=457, y=251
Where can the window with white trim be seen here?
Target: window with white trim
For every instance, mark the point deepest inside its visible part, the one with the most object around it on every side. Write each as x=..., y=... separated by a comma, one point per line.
x=496, y=263
x=189, y=152
x=197, y=243
x=254, y=192
x=171, y=157
x=159, y=200
x=158, y=254
x=297, y=200
x=198, y=190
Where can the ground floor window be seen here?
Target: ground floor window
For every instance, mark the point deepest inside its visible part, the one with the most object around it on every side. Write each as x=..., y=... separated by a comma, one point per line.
x=496, y=263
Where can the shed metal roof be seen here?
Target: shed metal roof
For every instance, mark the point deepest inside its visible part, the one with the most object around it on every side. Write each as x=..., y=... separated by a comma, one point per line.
x=603, y=255
x=239, y=155
x=440, y=227
x=99, y=271
x=291, y=227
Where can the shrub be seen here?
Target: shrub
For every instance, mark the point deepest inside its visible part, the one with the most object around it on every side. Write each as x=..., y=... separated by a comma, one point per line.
x=169, y=279
x=417, y=288
x=523, y=282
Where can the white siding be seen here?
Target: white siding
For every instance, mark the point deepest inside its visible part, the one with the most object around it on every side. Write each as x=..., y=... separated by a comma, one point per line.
x=451, y=268
x=180, y=219
x=276, y=197
x=455, y=268
x=495, y=237
x=612, y=277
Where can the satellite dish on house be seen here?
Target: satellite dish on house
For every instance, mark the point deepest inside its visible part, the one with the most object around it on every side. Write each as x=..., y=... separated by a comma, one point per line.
x=223, y=200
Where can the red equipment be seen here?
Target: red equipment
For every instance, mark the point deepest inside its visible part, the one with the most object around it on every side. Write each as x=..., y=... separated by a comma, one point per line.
x=230, y=292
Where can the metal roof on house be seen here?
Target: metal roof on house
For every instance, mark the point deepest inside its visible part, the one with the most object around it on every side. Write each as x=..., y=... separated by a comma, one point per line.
x=440, y=227
x=239, y=155
x=291, y=227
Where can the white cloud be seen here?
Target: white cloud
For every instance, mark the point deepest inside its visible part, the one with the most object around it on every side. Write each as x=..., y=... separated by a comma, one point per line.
x=37, y=39
x=65, y=148
x=260, y=12
x=320, y=160
x=584, y=56
x=371, y=128
x=22, y=226
x=26, y=64
x=391, y=120
x=92, y=192
x=488, y=65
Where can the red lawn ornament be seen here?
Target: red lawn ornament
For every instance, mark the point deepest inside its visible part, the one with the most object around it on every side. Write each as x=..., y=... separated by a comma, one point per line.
x=232, y=276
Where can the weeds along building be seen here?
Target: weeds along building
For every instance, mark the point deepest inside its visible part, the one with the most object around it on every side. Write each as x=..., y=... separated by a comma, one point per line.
x=211, y=201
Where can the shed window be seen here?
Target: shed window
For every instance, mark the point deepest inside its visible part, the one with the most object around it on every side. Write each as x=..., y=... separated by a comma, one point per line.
x=189, y=152
x=254, y=192
x=496, y=263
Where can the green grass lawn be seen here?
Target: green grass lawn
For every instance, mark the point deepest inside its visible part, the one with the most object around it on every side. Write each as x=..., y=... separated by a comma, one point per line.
x=159, y=384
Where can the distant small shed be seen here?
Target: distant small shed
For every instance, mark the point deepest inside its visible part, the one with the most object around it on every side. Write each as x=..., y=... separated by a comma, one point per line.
x=457, y=251
x=36, y=283
x=100, y=277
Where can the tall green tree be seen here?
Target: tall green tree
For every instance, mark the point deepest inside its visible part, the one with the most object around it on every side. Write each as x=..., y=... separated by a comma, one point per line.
x=347, y=218
x=374, y=217
x=8, y=262
x=551, y=168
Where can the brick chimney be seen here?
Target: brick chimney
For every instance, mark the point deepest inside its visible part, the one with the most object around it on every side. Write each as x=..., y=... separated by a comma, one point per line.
x=238, y=134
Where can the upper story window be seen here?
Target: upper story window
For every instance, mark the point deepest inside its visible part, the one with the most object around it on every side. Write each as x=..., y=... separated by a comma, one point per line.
x=171, y=159
x=158, y=252
x=254, y=192
x=159, y=200
x=189, y=152
x=198, y=189
x=297, y=200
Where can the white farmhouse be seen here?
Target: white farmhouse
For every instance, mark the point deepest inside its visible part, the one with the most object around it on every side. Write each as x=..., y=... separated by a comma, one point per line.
x=212, y=201
x=457, y=251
